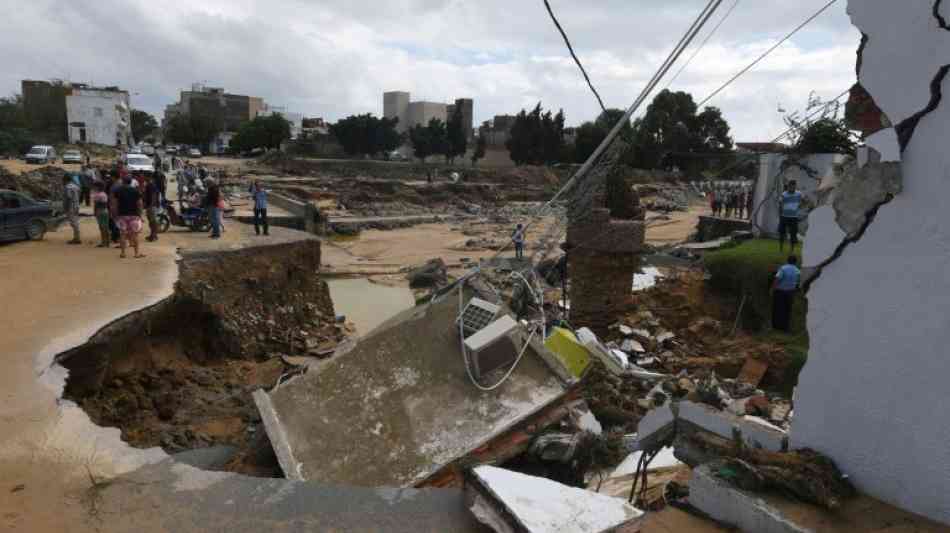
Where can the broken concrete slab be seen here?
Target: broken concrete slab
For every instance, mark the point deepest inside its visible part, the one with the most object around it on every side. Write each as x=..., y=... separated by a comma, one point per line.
x=511, y=501
x=170, y=496
x=399, y=406
x=730, y=505
x=656, y=426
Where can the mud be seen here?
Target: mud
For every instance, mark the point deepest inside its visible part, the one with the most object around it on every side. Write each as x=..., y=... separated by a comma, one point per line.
x=180, y=374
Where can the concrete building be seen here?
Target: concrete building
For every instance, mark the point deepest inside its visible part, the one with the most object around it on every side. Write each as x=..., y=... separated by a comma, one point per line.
x=423, y=112
x=396, y=105
x=44, y=104
x=231, y=110
x=98, y=115
x=467, y=105
x=295, y=119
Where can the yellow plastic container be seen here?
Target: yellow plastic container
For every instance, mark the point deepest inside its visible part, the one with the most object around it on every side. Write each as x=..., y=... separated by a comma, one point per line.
x=572, y=353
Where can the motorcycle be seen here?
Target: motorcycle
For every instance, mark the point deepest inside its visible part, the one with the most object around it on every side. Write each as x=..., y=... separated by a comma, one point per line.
x=193, y=218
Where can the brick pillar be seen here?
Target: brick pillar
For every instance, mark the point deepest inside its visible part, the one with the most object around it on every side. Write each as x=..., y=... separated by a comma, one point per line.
x=603, y=255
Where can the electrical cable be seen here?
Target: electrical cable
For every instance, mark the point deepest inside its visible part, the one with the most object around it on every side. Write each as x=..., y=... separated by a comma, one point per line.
x=702, y=45
x=764, y=55
x=674, y=55
x=576, y=59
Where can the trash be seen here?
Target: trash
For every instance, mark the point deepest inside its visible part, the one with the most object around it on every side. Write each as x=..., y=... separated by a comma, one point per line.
x=626, y=331
x=664, y=337
x=646, y=362
x=615, y=363
x=564, y=344
x=630, y=345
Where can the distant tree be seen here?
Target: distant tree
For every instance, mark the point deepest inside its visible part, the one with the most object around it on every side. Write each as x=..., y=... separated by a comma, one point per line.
x=194, y=129
x=591, y=134
x=142, y=124
x=15, y=136
x=267, y=132
x=456, y=135
x=428, y=140
x=536, y=138
x=366, y=134
x=826, y=133
x=672, y=134
x=479, y=152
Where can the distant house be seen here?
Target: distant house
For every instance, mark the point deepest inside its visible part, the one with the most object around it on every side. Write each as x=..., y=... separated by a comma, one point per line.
x=99, y=115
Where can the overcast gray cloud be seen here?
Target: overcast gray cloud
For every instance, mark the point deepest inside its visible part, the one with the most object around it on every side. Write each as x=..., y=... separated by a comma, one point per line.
x=332, y=58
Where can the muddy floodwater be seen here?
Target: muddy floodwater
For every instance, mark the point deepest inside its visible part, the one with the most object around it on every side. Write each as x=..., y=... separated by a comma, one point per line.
x=367, y=304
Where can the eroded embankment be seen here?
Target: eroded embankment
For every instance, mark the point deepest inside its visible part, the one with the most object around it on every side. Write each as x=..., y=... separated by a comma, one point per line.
x=180, y=374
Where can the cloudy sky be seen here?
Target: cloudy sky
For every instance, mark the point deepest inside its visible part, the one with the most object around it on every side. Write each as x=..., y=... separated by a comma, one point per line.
x=332, y=58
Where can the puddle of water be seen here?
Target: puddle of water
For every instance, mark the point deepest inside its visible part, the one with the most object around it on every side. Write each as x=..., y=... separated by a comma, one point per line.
x=368, y=304
x=646, y=279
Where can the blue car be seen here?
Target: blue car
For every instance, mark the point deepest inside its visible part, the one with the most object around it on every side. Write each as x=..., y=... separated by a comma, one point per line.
x=22, y=217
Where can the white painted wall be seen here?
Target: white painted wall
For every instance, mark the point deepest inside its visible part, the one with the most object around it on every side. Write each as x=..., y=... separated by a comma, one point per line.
x=875, y=393
x=106, y=115
x=768, y=189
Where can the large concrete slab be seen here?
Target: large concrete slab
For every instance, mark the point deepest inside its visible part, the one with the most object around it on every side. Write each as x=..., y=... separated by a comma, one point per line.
x=194, y=500
x=398, y=406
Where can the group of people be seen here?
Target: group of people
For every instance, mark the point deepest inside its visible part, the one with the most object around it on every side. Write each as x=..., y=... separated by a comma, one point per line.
x=118, y=198
x=731, y=202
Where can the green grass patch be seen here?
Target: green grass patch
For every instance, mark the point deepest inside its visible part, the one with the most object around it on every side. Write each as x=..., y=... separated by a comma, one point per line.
x=748, y=269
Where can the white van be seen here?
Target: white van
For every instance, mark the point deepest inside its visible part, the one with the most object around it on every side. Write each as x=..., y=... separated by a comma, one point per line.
x=41, y=155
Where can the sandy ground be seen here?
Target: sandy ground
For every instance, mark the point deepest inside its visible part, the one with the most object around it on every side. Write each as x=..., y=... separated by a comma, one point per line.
x=56, y=296
x=381, y=253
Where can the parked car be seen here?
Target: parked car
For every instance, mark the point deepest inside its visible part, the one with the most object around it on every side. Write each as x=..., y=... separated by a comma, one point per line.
x=194, y=152
x=135, y=150
x=395, y=155
x=138, y=162
x=148, y=149
x=41, y=155
x=72, y=156
x=171, y=149
x=22, y=217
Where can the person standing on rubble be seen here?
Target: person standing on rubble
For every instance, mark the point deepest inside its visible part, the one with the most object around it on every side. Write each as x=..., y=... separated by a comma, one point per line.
x=518, y=239
x=259, y=195
x=789, y=208
x=784, y=288
x=71, y=206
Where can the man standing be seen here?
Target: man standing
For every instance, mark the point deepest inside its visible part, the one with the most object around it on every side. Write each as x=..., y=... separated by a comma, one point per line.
x=789, y=207
x=71, y=205
x=152, y=200
x=85, y=185
x=128, y=215
x=211, y=202
x=783, y=294
x=259, y=195
x=518, y=238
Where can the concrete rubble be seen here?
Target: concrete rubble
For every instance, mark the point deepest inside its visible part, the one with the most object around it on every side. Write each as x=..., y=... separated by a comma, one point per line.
x=511, y=502
x=398, y=408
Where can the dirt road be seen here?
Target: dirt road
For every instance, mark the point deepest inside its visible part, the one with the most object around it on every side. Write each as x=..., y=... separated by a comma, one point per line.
x=56, y=296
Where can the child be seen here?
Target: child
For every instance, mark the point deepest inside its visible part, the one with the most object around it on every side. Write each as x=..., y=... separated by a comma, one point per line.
x=100, y=206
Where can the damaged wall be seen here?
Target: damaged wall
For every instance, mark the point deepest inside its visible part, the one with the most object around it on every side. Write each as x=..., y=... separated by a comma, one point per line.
x=874, y=393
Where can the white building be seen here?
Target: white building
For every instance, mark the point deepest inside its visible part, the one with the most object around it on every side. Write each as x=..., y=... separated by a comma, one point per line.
x=99, y=116
x=423, y=112
x=295, y=119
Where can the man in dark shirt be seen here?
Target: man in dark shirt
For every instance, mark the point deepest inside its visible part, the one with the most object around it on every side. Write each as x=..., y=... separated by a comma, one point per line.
x=151, y=202
x=128, y=215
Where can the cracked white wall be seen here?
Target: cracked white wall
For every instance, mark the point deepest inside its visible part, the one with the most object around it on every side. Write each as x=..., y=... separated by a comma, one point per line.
x=875, y=394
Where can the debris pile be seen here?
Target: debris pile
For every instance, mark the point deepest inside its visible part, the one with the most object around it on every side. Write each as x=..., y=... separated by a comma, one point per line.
x=664, y=197
x=44, y=183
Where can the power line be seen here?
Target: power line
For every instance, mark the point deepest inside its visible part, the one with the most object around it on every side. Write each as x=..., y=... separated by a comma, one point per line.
x=767, y=52
x=701, y=45
x=571, y=49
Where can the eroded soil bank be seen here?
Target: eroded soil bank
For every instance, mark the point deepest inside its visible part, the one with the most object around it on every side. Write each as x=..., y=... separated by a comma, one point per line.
x=180, y=374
